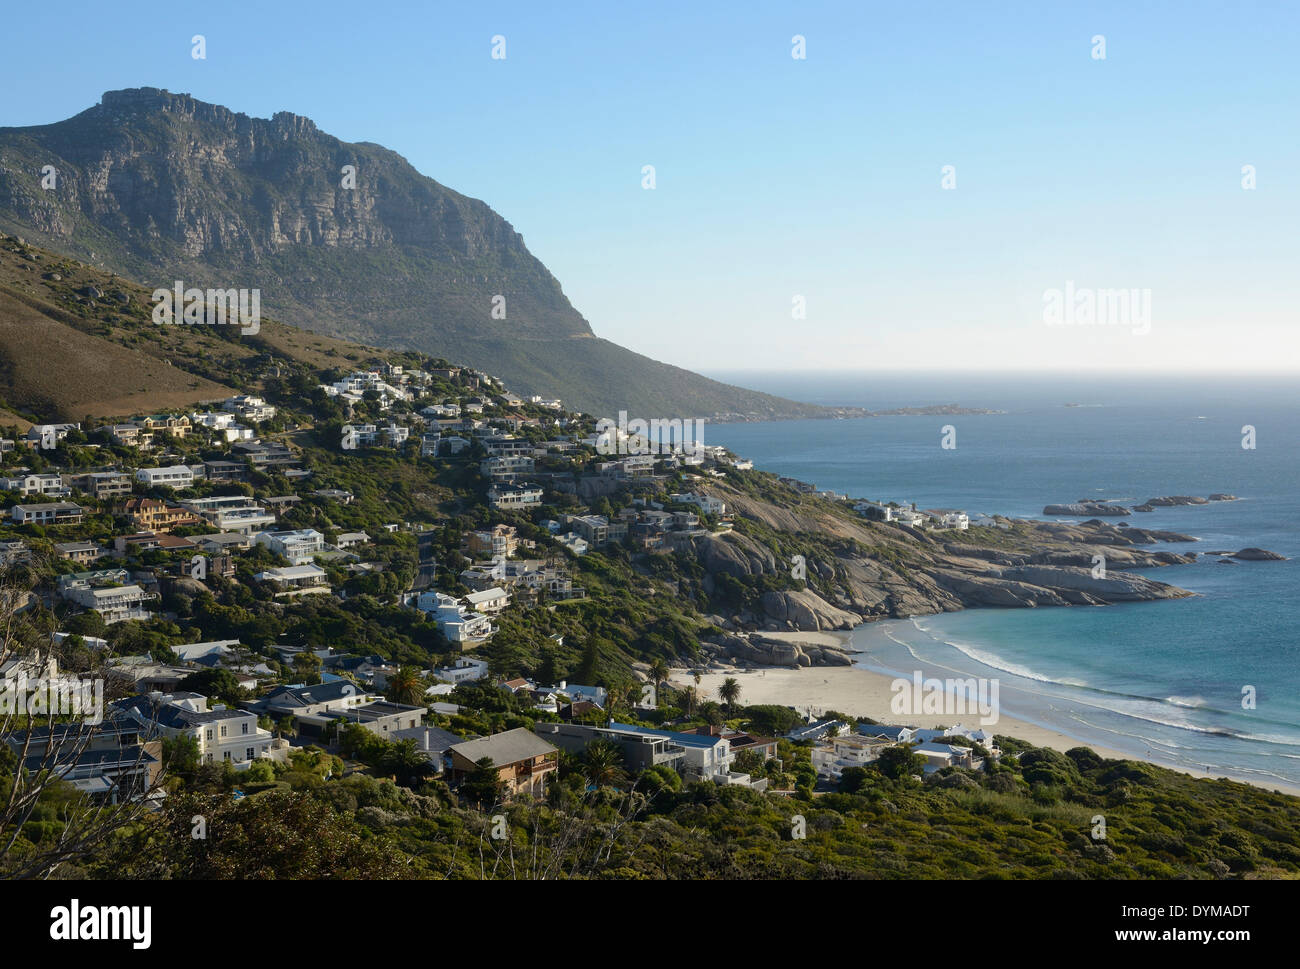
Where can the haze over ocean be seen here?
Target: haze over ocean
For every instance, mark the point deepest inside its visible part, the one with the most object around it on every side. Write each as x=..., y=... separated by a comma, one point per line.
x=1160, y=679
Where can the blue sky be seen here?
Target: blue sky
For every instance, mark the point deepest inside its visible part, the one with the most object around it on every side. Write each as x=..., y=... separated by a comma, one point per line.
x=778, y=177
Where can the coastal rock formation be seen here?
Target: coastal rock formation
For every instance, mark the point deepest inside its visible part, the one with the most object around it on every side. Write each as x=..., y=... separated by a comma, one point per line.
x=805, y=609
x=1258, y=555
x=859, y=570
x=734, y=554
x=1170, y=502
x=1222, y=497
x=1113, y=587
x=761, y=650
x=1086, y=508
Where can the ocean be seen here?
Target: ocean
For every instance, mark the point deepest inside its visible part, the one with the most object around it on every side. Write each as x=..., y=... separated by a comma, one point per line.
x=1160, y=680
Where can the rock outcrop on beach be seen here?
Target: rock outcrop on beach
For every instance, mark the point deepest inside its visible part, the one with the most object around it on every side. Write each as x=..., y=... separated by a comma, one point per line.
x=759, y=650
x=805, y=609
x=1258, y=555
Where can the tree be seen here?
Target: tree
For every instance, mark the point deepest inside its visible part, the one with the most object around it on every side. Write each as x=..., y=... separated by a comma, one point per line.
x=47, y=826
x=406, y=686
x=602, y=763
x=406, y=762
x=484, y=786
x=659, y=672
x=729, y=693
x=271, y=836
x=307, y=665
x=692, y=696
x=899, y=761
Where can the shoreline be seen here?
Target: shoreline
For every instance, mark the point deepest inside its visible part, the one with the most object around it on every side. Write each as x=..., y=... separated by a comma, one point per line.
x=865, y=693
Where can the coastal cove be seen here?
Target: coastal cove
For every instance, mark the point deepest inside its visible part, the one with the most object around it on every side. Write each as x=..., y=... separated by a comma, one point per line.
x=1160, y=681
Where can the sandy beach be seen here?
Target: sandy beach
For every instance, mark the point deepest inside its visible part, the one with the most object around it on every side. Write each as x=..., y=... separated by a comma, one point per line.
x=863, y=693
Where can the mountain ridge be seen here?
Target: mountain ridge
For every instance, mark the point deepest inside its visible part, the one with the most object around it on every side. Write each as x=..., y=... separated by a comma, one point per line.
x=160, y=186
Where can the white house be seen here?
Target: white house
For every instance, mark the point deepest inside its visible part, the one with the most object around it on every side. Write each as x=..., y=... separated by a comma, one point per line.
x=705, y=503
x=50, y=513
x=174, y=476
x=222, y=735
x=50, y=485
x=464, y=670
x=511, y=496
x=458, y=624
x=488, y=601
x=299, y=546
x=296, y=580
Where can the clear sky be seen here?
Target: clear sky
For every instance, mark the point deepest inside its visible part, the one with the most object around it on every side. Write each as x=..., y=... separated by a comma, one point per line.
x=779, y=177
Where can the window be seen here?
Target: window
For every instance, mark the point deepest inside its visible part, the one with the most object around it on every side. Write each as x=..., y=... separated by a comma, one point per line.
x=249, y=753
x=227, y=755
x=223, y=730
x=245, y=726
x=209, y=733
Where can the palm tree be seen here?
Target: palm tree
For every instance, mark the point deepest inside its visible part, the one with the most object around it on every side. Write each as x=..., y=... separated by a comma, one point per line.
x=692, y=697
x=405, y=686
x=729, y=693
x=407, y=763
x=603, y=763
x=659, y=672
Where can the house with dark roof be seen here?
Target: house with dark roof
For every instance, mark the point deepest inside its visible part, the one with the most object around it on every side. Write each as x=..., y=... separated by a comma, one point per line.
x=110, y=762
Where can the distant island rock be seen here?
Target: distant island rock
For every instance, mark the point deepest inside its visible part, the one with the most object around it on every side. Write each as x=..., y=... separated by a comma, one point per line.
x=1088, y=508
x=1258, y=555
x=1218, y=496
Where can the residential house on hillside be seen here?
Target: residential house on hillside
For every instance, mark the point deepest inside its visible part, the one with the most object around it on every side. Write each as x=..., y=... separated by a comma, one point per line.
x=522, y=759
x=459, y=624
x=296, y=580
x=47, y=485
x=131, y=435
x=694, y=756
x=103, y=484
x=232, y=513
x=500, y=540
x=173, y=476
x=299, y=546
x=82, y=553
x=177, y=425
x=51, y=513
x=249, y=408
x=223, y=735
x=152, y=515
x=464, y=670
x=514, y=496
x=103, y=592
x=110, y=763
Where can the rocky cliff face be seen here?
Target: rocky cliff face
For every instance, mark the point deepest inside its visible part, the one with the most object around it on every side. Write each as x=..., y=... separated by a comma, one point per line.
x=859, y=570
x=344, y=238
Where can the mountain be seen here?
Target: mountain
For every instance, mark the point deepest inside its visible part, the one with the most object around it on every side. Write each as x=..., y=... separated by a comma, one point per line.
x=162, y=187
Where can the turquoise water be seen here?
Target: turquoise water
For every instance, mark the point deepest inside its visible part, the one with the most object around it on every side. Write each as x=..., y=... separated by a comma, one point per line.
x=1163, y=679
